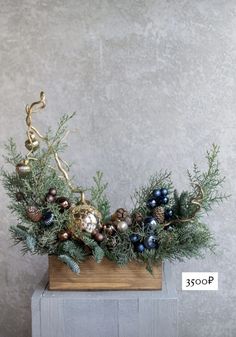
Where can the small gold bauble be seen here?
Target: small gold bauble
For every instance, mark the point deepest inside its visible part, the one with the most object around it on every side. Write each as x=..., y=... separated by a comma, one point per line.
x=122, y=226
x=23, y=169
x=32, y=144
x=84, y=217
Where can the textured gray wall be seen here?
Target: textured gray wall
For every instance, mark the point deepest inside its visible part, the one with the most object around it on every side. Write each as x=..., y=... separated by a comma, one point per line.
x=154, y=85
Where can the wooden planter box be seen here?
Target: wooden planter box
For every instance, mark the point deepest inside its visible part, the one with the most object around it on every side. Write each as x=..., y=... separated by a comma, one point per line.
x=103, y=276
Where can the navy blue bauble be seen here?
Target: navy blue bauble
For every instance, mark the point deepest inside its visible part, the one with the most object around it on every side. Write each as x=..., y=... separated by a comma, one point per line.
x=48, y=218
x=168, y=213
x=151, y=203
x=150, y=242
x=165, y=200
x=150, y=222
x=156, y=193
x=140, y=248
x=134, y=238
x=164, y=192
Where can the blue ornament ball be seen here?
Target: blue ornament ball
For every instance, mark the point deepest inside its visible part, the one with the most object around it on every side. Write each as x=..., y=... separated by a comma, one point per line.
x=150, y=222
x=151, y=203
x=156, y=193
x=140, y=248
x=134, y=238
x=164, y=192
x=48, y=218
x=165, y=200
x=150, y=242
x=168, y=213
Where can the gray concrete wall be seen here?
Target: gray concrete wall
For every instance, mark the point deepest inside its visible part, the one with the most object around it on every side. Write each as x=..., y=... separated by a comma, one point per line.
x=153, y=83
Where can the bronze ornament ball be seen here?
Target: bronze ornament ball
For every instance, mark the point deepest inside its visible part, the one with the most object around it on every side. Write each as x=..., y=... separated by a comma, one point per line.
x=99, y=237
x=52, y=191
x=63, y=202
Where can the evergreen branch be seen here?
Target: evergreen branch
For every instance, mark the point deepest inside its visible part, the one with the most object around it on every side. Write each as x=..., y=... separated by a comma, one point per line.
x=98, y=196
x=70, y=263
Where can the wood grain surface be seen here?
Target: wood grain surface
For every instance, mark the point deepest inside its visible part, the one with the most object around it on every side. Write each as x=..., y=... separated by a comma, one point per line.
x=103, y=276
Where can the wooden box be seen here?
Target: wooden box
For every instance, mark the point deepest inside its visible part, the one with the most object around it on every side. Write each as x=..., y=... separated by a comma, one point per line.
x=103, y=276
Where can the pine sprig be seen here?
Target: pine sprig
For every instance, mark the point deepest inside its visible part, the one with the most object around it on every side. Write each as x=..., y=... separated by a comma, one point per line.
x=98, y=196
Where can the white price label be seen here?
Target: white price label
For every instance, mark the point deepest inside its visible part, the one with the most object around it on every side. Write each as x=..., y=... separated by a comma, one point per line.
x=199, y=281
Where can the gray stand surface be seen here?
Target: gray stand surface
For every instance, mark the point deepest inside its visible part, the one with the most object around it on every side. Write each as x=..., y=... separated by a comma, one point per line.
x=106, y=313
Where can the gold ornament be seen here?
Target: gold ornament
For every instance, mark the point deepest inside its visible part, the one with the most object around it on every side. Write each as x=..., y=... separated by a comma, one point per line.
x=84, y=217
x=122, y=226
x=23, y=168
x=32, y=144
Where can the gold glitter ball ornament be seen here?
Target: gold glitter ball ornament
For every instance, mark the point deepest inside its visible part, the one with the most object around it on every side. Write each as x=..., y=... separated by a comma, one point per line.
x=84, y=217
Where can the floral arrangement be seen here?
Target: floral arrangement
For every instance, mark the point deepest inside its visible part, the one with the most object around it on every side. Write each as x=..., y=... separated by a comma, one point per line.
x=54, y=218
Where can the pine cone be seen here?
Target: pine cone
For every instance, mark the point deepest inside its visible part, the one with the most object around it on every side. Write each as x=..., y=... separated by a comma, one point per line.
x=120, y=214
x=137, y=217
x=159, y=214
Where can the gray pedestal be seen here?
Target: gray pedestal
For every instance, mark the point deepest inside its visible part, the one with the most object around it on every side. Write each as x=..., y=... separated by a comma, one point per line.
x=106, y=313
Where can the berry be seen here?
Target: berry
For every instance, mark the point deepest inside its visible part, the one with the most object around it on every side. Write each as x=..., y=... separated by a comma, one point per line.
x=168, y=213
x=151, y=203
x=134, y=238
x=52, y=191
x=156, y=193
x=165, y=200
x=49, y=198
x=140, y=248
x=150, y=222
x=150, y=242
x=164, y=192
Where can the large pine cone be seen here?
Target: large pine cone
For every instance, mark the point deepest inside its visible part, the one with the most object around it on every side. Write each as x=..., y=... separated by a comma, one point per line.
x=159, y=214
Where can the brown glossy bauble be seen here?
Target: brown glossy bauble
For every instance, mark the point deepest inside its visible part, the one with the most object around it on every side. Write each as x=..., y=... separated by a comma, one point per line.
x=23, y=168
x=63, y=202
x=99, y=237
x=34, y=214
x=49, y=198
x=64, y=235
x=52, y=191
